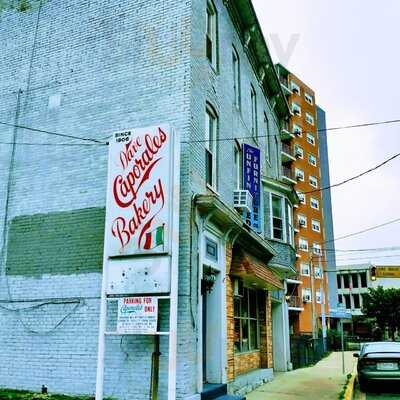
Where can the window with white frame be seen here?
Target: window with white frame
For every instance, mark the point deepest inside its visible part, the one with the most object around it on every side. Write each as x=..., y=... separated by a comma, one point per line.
x=296, y=109
x=304, y=269
x=298, y=152
x=311, y=139
x=296, y=129
x=299, y=173
x=312, y=160
x=313, y=181
x=295, y=88
x=211, y=34
x=315, y=225
x=318, y=296
x=211, y=147
x=238, y=160
x=289, y=218
x=309, y=118
x=236, y=77
x=309, y=98
x=314, y=203
x=277, y=217
x=318, y=272
x=254, y=131
x=303, y=244
x=306, y=295
x=317, y=249
x=302, y=197
x=302, y=220
x=246, y=321
x=267, y=141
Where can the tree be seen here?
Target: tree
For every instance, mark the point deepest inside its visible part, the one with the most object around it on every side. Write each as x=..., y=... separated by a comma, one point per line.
x=383, y=305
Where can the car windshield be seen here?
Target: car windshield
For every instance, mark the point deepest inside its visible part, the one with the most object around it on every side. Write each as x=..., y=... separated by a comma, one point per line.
x=384, y=347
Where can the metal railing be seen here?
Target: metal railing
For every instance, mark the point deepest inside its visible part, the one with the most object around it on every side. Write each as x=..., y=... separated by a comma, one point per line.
x=295, y=301
x=286, y=171
x=286, y=148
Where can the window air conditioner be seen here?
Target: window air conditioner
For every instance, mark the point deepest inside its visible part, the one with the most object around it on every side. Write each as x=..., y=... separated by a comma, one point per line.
x=306, y=298
x=242, y=200
x=298, y=154
x=238, y=288
x=299, y=177
x=297, y=132
x=302, y=223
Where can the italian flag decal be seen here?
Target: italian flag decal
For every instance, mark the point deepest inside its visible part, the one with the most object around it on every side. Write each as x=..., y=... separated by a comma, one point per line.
x=154, y=238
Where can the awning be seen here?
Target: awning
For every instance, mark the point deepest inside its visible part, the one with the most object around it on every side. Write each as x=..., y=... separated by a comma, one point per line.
x=253, y=271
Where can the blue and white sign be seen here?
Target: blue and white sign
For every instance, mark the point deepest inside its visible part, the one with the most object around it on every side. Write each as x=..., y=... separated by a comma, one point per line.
x=252, y=183
x=340, y=314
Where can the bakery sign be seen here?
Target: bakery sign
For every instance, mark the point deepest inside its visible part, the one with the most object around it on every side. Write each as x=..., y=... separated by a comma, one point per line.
x=138, y=215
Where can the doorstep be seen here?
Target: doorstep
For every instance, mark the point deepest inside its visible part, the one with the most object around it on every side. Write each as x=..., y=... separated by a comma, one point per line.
x=247, y=382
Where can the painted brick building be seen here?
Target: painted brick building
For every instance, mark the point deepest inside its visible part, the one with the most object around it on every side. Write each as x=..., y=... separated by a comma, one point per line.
x=84, y=70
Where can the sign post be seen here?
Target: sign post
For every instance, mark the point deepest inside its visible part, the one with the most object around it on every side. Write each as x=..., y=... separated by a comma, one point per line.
x=141, y=240
x=341, y=314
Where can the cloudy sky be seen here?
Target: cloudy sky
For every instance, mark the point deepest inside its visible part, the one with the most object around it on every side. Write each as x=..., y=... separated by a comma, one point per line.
x=347, y=51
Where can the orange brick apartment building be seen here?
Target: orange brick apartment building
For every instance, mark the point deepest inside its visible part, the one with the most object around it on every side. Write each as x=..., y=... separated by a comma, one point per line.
x=307, y=294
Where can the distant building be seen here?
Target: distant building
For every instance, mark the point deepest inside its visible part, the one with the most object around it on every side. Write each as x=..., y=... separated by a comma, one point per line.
x=305, y=164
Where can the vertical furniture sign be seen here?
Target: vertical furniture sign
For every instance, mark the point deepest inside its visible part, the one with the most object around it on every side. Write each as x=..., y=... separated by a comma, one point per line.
x=252, y=183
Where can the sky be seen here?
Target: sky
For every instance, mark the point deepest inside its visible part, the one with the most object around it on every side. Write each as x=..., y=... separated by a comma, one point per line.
x=347, y=51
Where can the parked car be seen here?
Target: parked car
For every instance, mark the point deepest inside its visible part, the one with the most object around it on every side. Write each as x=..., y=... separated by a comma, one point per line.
x=377, y=362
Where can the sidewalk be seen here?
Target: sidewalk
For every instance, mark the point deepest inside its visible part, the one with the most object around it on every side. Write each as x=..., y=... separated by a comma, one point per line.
x=322, y=381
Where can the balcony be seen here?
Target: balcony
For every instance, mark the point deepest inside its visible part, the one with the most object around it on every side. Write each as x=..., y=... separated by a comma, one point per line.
x=285, y=132
x=285, y=86
x=295, y=303
x=288, y=175
x=287, y=153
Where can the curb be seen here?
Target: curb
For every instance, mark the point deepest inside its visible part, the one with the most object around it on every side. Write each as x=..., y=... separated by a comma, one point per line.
x=349, y=392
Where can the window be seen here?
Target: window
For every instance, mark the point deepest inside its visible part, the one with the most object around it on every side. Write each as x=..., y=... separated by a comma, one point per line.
x=302, y=197
x=363, y=276
x=312, y=160
x=302, y=219
x=298, y=152
x=313, y=181
x=295, y=87
x=309, y=118
x=317, y=249
x=311, y=139
x=211, y=147
x=246, y=321
x=305, y=269
x=309, y=98
x=236, y=78
x=296, y=109
x=346, y=281
x=299, y=173
x=254, y=113
x=306, y=294
x=354, y=280
x=318, y=272
x=211, y=249
x=356, y=300
x=211, y=34
x=277, y=217
x=289, y=217
x=238, y=167
x=266, y=133
x=315, y=225
x=339, y=282
x=303, y=244
x=340, y=299
x=318, y=296
x=347, y=301
x=314, y=203
x=296, y=129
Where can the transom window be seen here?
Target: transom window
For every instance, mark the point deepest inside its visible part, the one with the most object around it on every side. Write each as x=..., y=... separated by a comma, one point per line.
x=211, y=147
x=246, y=321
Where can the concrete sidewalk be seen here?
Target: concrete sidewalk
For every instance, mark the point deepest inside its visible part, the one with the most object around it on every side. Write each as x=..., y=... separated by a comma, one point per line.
x=322, y=381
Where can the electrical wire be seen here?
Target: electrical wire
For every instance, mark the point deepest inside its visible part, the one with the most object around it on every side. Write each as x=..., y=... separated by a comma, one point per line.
x=54, y=144
x=353, y=177
x=50, y=132
x=377, y=249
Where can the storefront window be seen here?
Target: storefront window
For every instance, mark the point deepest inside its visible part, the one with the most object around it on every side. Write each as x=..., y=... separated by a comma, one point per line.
x=246, y=316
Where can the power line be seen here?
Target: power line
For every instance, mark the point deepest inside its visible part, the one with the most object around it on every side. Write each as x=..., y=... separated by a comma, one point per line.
x=378, y=249
x=360, y=232
x=50, y=132
x=353, y=177
x=53, y=144
x=368, y=258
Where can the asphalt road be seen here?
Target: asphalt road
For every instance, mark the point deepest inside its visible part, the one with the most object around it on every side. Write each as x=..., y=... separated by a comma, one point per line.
x=379, y=393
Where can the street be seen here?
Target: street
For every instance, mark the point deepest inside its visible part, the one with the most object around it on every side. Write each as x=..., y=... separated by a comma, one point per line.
x=382, y=392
